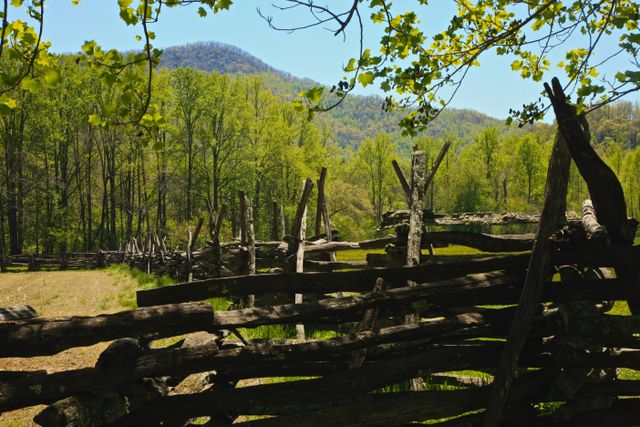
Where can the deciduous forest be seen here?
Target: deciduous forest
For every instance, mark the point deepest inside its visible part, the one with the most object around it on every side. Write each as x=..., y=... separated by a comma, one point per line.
x=69, y=185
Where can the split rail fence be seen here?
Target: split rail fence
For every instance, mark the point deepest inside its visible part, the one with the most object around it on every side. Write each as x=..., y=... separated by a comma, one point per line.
x=522, y=337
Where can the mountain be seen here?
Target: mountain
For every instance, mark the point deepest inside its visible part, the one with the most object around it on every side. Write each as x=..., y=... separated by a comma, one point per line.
x=357, y=118
x=215, y=56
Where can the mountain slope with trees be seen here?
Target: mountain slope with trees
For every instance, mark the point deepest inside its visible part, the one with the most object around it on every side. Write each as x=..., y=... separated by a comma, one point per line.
x=357, y=118
x=215, y=56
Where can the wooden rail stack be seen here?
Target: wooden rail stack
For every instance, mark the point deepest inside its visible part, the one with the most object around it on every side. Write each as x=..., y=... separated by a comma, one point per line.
x=451, y=298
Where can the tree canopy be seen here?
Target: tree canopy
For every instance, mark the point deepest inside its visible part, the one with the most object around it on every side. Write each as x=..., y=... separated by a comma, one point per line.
x=417, y=64
x=422, y=67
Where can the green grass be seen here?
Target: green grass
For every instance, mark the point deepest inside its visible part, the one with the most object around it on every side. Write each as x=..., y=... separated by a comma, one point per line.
x=221, y=304
x=454, y=250
x=620, y=308
x=142, y=280
x=356, y=254
x=361, y=254
x=628, y=374
x=312, y=332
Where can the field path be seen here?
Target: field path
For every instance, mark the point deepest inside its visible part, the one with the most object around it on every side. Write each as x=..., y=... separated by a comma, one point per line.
x=62, y=293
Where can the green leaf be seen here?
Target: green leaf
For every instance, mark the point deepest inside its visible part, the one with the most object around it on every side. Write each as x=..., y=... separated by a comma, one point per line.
x=366, y=78
x=314, y=94
x=31, y=85
x=222, y=4
x=94, y=119
x=52, y=77
x=351, y=66
x=297, y=105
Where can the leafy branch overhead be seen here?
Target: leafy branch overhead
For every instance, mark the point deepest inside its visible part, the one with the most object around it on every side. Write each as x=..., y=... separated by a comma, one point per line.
x=422, y=67
x=418, y=64
x=134, y=103
x=26, y=64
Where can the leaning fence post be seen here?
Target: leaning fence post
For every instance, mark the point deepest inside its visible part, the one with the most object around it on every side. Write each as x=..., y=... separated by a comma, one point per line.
x=553, y=210
x=322, y=213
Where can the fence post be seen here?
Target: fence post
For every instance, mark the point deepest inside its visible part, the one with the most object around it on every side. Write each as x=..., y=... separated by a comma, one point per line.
x=298, y=233
x=247, y=239
x=322, y=213
x=553, y=210
x=416, y=225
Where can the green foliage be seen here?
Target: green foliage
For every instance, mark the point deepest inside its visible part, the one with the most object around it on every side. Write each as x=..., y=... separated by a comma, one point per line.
x=422, y=63
x=74, y=182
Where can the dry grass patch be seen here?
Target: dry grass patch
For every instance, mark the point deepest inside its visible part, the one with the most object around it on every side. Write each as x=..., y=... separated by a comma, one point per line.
x=62, y=293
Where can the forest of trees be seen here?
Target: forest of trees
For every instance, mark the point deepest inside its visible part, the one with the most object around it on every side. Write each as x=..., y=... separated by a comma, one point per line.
x=71, y=185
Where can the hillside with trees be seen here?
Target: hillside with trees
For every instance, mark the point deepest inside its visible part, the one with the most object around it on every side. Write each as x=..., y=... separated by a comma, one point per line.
x=69, y=185
x=215, y=56
x=355, y=119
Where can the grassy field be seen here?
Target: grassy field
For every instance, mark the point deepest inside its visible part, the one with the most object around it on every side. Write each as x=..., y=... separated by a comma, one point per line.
x=66, y=293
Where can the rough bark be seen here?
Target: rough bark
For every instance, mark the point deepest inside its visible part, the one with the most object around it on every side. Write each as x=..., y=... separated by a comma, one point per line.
x=17, y=312
x=540, y=264
x=354, y=281
x=594, y=230
x=23, y=338
x=248, y=240
x=604, y=187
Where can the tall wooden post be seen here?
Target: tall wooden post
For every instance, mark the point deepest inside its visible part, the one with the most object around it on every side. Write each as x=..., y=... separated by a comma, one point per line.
x=416, y=223
x=322, y=213
x=416, y=226
x=298, y=233
x=318, y=225
x=189, y=258
x=247, y=239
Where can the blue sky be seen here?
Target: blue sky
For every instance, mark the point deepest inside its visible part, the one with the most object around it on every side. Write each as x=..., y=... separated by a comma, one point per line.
x=317, y=54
